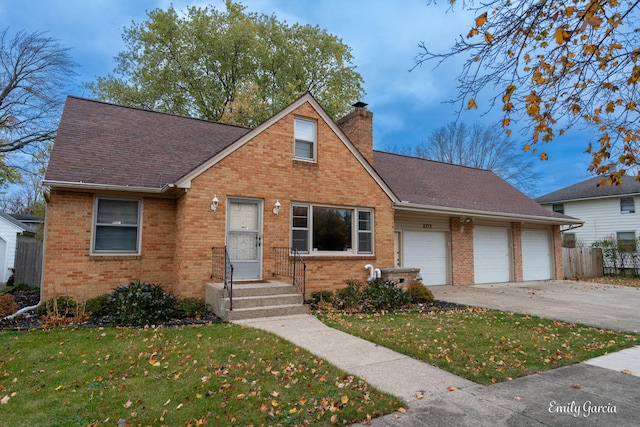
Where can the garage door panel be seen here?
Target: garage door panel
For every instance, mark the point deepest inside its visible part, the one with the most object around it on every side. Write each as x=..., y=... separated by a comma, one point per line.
x=427, y=251
x=491, y=254
x=536, y=255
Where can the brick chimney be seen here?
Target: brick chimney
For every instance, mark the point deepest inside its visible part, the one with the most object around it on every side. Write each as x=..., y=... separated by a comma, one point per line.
x=358, y=126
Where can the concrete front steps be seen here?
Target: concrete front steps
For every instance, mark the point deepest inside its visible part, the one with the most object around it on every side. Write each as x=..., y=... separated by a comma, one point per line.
x=255, y=300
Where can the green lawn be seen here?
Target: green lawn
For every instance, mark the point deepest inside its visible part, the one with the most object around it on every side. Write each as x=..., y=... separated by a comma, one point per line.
x=217, y=374
x=485, y=346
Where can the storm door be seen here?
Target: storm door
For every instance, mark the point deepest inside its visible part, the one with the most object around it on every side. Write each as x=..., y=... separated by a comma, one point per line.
x=244, y=241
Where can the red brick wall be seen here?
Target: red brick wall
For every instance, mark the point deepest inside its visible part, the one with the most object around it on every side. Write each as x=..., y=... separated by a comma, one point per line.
x=516, y=238
x=462, y=252
x=358, y=126
x=71, y=270
x=264, y=169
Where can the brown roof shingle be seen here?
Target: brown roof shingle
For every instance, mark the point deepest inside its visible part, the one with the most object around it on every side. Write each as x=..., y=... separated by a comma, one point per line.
x=101, y=143
x=431, y=183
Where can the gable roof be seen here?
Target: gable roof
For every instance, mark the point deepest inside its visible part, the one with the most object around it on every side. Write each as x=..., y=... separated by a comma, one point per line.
x=112, y=145
x=442, y=187
x=13, y=222
x=589, y=189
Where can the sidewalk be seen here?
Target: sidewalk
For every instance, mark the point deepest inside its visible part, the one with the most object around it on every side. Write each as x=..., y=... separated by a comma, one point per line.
x=592, y=393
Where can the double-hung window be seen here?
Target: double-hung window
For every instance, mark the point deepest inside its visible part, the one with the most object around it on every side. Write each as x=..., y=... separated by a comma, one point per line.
x=322, y=229
x=627, y=205
x=116, y=226
x=626, y=240
x=304, y=139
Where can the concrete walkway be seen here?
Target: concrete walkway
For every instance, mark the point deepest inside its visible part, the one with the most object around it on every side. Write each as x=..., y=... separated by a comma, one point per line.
x=594, y=393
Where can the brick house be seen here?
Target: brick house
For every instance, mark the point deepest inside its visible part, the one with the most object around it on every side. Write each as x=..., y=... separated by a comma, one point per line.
x=137, y=194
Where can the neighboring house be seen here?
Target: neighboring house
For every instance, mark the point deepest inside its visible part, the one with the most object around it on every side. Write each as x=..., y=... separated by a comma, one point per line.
x=33, y=223
x=10, y=230
x=136, y=194
x=608, y=212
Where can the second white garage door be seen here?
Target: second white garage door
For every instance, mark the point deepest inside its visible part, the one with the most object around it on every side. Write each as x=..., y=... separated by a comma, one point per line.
x=491, y=254
x=428, y=251
x=536, y=255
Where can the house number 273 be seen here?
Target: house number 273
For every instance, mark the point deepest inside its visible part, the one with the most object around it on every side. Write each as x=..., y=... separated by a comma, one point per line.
x=426, y=225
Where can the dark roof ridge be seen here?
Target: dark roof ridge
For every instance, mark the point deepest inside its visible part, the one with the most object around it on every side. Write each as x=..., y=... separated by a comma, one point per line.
x=148, y=110
x=434, y=161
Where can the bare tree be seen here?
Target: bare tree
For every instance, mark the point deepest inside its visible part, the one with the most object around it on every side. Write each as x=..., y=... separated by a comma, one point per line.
x=35, y=70
x=483, y=147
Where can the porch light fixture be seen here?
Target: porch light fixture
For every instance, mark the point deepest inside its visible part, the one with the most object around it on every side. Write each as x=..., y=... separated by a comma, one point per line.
x=276, y=207
x=214, y=203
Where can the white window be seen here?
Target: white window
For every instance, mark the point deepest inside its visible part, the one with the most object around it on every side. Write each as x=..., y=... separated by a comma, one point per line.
x=627, y=205
x=626, y=240
x=321, y=229
x=305, y=139
x=116, y=226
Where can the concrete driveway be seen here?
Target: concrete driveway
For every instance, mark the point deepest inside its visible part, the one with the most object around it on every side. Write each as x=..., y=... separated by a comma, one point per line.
x=609, y=306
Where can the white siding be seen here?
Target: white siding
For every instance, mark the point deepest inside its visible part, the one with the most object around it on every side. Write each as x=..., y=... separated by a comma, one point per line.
x=8, y=233
x=602, y=218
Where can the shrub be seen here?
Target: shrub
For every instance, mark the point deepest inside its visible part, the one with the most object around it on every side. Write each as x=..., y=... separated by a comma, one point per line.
x=99, y=306
x=192, y=307
x=320, y=297
x=384, y=295
x=62, y=305
x=8, y=305
x=349, y=297
x=419, y=293
x=141, y=304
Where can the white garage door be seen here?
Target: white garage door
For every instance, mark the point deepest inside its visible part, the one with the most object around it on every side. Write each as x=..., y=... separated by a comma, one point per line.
x=491, y=254
x=428, y=252
x=536, y=255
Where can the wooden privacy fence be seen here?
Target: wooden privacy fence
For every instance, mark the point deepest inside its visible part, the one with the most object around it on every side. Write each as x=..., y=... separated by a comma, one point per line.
x=582, y=262
x=28, y=264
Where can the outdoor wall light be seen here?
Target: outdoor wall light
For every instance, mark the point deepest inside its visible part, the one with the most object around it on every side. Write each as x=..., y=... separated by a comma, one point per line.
x=214, y=203
x=276, y=207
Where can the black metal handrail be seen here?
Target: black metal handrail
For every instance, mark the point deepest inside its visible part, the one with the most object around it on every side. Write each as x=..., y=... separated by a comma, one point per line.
x=222, y=269
x=289, y=263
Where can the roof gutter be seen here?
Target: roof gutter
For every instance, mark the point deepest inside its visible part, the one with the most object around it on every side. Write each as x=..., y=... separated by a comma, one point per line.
x=484, y=214
x=106, y=187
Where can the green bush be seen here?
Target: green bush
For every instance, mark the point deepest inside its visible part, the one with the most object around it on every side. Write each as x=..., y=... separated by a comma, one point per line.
x=419, y=293
x=60, y=306
x=384, y=295
x=192, y=307
x=321, y=297
x=99, y=306
x=141, y=304
x=374, y=295
x=349, y=297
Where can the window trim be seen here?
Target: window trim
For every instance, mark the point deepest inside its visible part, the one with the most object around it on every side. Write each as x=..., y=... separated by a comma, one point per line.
x=355, y=230
x=94, y=226
x=313, y=142
x=630, y=200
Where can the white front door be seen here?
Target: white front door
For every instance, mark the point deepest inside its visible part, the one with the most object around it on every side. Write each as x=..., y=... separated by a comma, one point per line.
x=244, y=241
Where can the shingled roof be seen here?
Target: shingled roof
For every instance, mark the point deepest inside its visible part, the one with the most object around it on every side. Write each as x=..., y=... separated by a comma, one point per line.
x=589, y=189
x=106, y=144
x=442, y=185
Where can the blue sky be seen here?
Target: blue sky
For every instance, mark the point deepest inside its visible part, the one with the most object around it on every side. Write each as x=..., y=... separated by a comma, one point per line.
x=384, y=37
